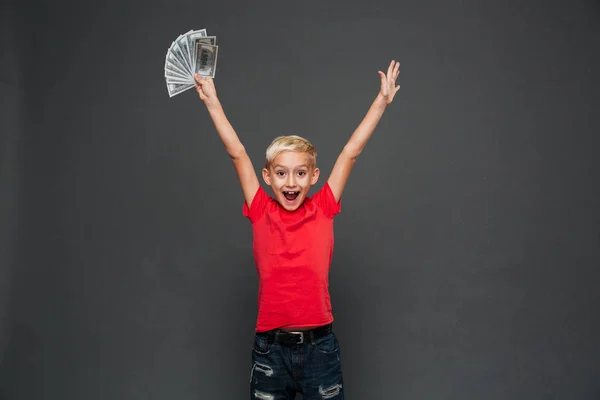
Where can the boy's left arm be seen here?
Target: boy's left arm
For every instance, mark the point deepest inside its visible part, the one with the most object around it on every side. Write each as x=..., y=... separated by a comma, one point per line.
x=343, y=166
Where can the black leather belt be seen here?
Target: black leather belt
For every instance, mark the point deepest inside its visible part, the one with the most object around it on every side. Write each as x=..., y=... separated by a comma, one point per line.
x=299, y=337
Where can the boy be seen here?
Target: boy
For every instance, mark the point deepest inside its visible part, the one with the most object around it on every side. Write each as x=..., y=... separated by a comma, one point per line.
x=295, y=349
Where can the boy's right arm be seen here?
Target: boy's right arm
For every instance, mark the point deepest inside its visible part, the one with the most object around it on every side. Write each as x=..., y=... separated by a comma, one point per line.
x=241, y=161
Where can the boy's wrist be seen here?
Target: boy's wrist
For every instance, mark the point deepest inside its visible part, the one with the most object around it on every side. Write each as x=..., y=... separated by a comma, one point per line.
x=212, y=103
x=380, y=100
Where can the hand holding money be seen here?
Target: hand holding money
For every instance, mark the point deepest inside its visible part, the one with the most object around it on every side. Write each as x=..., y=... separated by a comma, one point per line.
x=193, y=53
x=205, y=88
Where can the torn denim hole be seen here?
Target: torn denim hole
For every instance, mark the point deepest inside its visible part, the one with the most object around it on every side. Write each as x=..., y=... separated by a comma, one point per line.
x=331, y=391
x=265, y=369
x=263, y=395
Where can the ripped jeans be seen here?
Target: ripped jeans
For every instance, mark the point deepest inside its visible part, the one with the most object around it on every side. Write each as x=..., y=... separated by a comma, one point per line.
x=313, y=369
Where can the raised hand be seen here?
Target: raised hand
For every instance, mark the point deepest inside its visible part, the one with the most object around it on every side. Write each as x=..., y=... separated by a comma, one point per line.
x=205, y=88
x=388, y=82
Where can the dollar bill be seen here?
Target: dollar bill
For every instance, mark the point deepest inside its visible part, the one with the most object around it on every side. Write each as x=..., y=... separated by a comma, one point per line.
x=177, y=88
x=191, y=36
x=171, y=69
x=172, y=60
x=212, y=40
x=179, y=82
x=172, y=65
x=183, y=43
x=206, y=59
x=173, y=77
x=177, y=52
x=170, y=75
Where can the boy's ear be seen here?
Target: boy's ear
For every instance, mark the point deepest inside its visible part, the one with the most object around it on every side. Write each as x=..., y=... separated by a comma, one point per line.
x=315, y=176
x=266, y=176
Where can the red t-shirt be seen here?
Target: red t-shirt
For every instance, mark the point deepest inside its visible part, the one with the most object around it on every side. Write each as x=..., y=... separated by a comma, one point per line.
x=292, y=252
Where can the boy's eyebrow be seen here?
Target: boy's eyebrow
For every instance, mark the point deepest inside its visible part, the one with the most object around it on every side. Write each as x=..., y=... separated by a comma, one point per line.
x=299, y=166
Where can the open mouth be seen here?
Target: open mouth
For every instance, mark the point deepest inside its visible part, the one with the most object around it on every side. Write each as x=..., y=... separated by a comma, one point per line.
x=291, y=196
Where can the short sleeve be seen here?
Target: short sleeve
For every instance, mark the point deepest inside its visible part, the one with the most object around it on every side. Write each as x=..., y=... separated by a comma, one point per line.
x=325, y=200
x=257, y=208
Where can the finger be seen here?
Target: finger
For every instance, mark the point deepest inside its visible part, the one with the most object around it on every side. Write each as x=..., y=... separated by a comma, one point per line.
x=390, y=69
x=382, y=76
x=397, y=70
x=198, y=79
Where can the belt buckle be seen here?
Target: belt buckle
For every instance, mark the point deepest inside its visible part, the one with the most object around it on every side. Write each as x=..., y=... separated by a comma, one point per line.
x=301, y=336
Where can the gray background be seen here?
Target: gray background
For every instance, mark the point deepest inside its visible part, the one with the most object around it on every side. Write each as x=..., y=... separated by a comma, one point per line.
x=467, y=250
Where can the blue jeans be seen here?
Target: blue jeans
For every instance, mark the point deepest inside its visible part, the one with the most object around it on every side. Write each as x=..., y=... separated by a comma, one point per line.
x=313, y=369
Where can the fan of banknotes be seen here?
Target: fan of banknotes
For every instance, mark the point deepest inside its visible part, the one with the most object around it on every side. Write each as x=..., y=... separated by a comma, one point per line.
x=191, y=53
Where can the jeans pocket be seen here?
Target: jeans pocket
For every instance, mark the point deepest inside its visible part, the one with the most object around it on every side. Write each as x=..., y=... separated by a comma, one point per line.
x=327, y=344
x=262, y=345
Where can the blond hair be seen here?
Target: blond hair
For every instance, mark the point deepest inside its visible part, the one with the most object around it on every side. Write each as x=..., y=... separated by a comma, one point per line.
x=290, y=143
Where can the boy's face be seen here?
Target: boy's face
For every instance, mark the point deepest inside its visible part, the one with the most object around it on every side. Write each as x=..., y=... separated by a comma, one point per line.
x=291, y=176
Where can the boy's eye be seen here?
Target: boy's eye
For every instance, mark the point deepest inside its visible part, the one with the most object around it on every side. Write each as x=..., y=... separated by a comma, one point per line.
x=280, y=173
x=301, y=173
